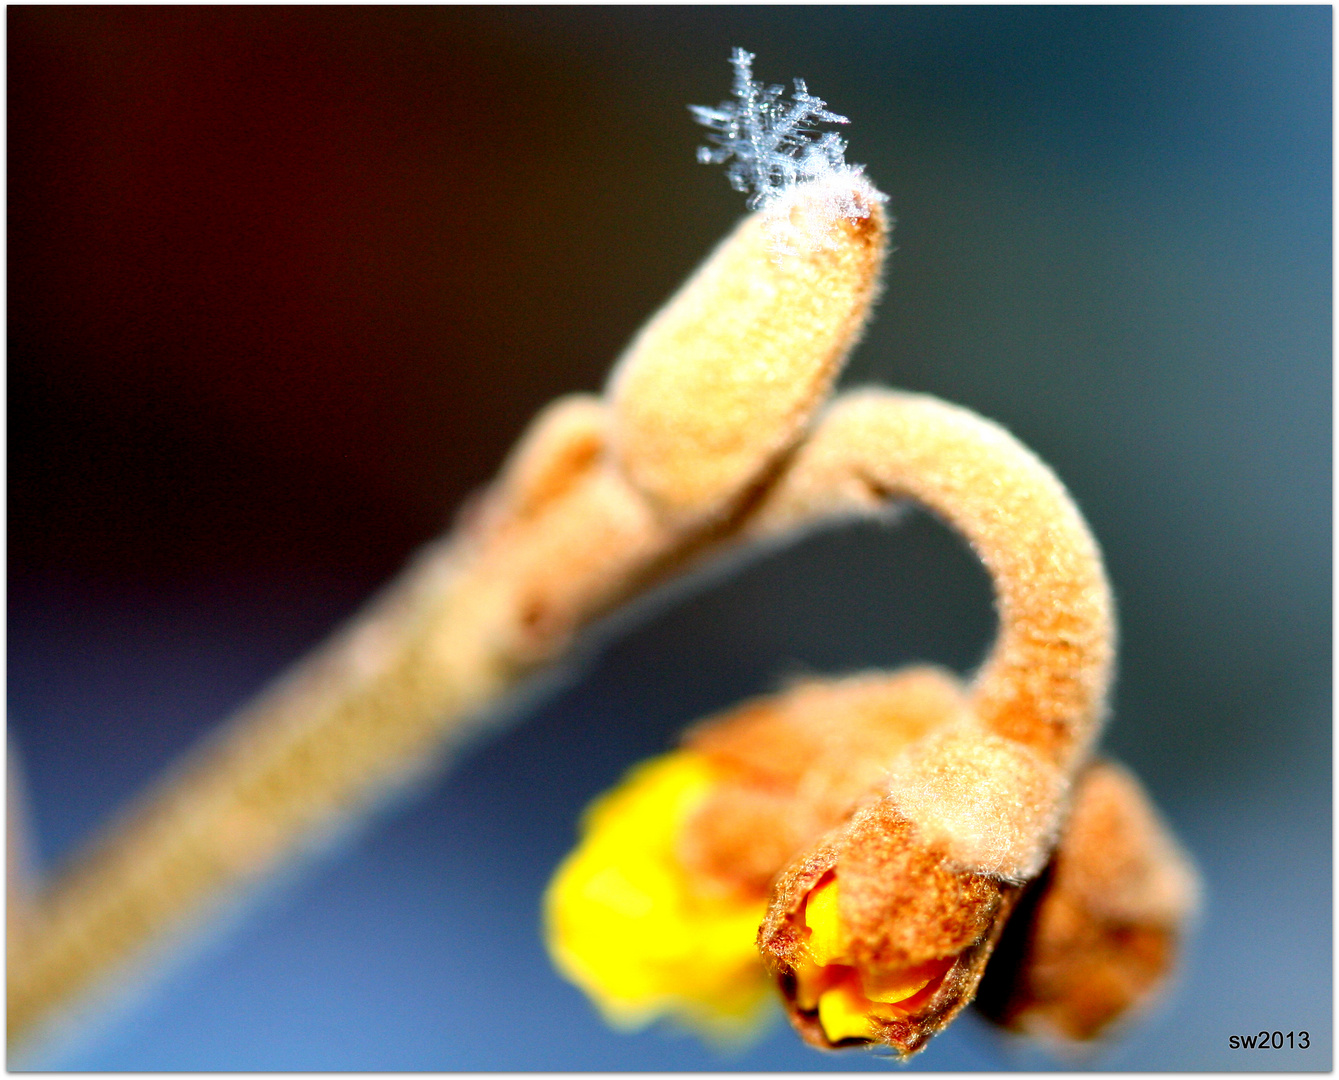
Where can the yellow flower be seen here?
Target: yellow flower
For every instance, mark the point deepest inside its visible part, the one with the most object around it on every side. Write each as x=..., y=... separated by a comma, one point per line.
x=628, y=924
x=871, y=933
x=657, y=910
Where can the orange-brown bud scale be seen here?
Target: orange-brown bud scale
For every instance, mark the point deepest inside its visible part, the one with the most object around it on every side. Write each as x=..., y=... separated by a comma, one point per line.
x=1100, y=933
x=795, y=764
x=902, y=909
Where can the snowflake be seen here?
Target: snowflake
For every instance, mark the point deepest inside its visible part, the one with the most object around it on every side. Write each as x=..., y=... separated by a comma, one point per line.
x=770, y=146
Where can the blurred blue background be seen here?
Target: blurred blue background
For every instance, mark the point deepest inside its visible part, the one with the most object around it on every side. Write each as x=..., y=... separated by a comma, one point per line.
x=284, y=284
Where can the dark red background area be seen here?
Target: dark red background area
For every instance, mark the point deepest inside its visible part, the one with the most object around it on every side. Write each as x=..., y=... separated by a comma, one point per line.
x=283, y=281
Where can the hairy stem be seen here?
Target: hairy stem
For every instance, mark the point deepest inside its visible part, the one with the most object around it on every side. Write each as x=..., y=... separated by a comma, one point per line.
x=1045, y=680
x=595, y=503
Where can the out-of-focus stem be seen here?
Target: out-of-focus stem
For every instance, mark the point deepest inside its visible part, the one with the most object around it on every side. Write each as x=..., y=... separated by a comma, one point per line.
x=359, y=714
x=595, y=502
x=408, y=676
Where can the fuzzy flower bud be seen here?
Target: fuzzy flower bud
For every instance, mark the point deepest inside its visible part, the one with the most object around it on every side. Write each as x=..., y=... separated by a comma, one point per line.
x=874, y=937
x=655, y=913
x=729, y=374
x=1097, y=937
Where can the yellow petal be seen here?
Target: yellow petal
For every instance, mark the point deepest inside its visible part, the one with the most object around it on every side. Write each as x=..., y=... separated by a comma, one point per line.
x=902, y=983
x=827, y=943
x=627, y=925
x=843, y=1015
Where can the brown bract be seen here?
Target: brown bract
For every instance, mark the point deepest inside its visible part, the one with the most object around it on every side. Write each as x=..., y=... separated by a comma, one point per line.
x=1088, y=945
x=796, y=764
x=803, y=780
x=903, y=906
x=1099, y=935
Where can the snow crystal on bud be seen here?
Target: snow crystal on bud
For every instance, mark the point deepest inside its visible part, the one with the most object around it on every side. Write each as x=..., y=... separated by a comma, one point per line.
x=772, y=149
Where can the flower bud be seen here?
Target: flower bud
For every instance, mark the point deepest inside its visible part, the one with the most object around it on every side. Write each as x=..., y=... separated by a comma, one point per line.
x=656, y=911
x=730, y=372
x=874, y=937
x=1097, y=936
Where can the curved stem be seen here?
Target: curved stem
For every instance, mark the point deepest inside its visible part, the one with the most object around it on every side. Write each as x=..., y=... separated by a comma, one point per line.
x=1045, y=680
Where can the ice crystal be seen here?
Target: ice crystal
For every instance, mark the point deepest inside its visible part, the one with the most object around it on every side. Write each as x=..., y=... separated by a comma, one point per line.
x=769, y=146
